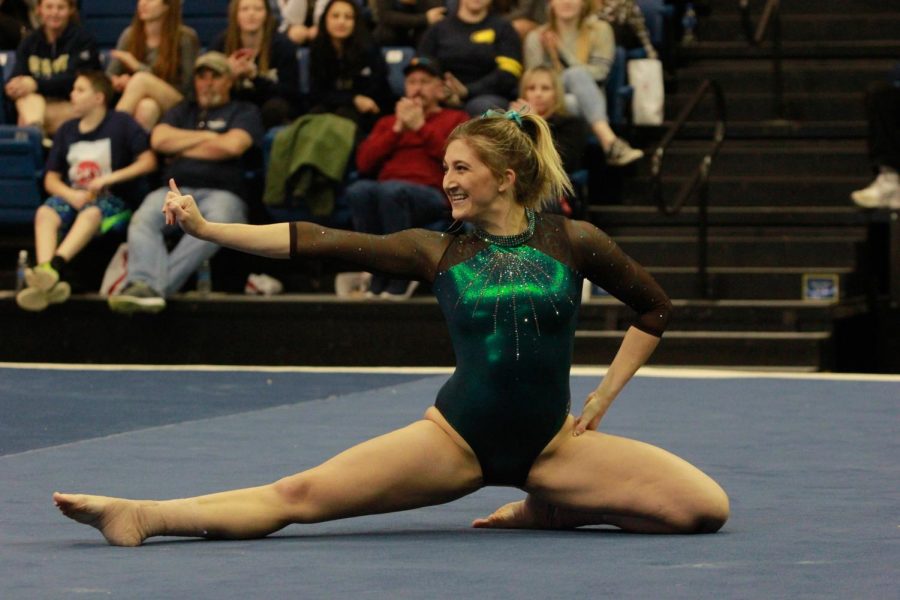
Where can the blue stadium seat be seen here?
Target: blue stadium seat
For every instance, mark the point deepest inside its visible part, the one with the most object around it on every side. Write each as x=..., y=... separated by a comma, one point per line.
x=209, y=18
x=397, y=57
x=21, y=172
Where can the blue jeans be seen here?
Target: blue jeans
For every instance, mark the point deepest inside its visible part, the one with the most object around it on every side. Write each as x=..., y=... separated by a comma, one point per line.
x=583, y=96
x=148, y=260
x=391, y=206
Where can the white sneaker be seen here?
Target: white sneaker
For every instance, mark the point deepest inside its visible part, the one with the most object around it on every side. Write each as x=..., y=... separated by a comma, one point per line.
x=621, y=153
x=884, y=192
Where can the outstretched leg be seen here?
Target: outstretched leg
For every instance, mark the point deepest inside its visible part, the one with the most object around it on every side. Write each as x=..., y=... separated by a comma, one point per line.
x=598, y=478
x=419, y=465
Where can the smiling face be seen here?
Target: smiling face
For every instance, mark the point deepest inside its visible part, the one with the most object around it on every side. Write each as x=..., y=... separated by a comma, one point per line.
x=567, y=9
x=339, y=21
x=55, y=14
x=474, y=191
x=251, y=15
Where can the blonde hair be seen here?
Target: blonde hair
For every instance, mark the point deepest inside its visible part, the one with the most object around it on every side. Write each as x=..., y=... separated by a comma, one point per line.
x=559, y=107
x=502, y=143
x=582, y=43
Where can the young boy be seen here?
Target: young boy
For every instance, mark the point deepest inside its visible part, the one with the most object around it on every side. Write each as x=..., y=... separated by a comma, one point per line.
x=93, y=173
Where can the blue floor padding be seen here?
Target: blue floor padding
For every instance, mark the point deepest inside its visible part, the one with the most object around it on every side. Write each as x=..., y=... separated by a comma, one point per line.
x=45, y=407
x=811, y=468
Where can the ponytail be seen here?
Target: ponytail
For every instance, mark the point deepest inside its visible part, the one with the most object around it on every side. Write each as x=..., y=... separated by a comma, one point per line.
x=523, y=143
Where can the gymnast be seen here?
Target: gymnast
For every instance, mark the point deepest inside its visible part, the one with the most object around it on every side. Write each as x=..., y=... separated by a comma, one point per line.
x=510, y=291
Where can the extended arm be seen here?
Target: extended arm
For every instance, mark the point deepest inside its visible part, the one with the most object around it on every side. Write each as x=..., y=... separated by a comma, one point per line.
x=413, y=253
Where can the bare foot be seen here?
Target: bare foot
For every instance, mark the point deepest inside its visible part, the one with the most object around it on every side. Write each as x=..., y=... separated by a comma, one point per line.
x=117, y=519
x=524, y=514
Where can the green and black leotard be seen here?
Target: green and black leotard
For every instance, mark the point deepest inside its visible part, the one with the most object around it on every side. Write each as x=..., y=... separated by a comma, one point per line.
x=511, y=306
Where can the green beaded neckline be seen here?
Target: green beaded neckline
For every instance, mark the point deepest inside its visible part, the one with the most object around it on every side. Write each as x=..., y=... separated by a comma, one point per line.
x=509, y=240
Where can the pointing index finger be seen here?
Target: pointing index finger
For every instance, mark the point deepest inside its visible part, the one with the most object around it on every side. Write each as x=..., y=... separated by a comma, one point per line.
x=174, y=187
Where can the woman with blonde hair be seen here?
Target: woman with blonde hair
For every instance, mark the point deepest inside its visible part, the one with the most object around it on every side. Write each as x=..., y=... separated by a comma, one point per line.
x=153, y=63
x=510, y=291
x=262, y=60
x=580, y=48
x=47, y=63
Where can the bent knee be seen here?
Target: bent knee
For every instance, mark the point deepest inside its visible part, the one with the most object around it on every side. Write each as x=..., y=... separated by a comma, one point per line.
x=707, y=515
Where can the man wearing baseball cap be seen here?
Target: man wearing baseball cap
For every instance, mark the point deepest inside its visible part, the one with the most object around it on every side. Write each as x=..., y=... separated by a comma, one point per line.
x=207, y=142
x=405, y=154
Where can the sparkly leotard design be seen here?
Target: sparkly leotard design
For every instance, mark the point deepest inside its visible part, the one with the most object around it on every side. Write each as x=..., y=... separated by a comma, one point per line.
x=511, y=307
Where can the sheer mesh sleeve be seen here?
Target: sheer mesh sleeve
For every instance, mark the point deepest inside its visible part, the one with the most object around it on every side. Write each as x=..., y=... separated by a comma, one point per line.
x=601, y=261
x=411, y=254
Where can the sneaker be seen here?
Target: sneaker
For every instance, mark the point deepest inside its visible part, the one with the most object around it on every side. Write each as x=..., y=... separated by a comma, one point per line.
x=42, y=277
x=137, y=297
x=621, y=154
x=399, y=290
x=35, y=300
x=884, y=192
x=377, y=285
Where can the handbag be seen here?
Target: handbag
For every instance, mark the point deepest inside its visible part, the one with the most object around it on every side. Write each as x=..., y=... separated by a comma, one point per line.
x=645, y=75
x=116, y=272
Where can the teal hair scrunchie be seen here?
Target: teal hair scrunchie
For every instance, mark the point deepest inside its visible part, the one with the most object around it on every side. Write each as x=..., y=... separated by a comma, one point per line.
x=510, y=115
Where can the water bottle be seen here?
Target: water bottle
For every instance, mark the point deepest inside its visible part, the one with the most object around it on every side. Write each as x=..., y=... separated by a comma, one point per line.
x=688, y=23
x=20, y=269
x=204, y=279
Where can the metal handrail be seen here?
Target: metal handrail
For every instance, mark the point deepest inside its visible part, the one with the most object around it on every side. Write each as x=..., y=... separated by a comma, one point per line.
x=770, y=19
x=699, y=181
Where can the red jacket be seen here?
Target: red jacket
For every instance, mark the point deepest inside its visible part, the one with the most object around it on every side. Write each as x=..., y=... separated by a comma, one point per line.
x=413, y=156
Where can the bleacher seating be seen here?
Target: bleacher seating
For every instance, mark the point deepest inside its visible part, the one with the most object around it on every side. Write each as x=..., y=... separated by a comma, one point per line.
x=22, y=166
x=106, y=19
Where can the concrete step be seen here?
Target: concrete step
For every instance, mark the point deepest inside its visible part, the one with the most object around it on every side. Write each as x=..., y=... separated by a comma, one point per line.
x=609, y=216
x=781, y=158
x=802, y=7
x=759, y=106
x=850, y=26
x=752, y=283
x=810, y=76
x=841, y=49
x=760, y=190
x=819, y=253
x=810, y=351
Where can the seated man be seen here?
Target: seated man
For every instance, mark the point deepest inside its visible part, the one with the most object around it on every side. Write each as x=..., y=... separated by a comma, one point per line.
x=405, y=150
x=93, y=180
x=206, y=141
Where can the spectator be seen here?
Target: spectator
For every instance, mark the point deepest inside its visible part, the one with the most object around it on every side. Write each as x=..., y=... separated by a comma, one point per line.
x=47, y=62
x=405, y=151
x=15, y=23
x=207, y=142
x=482, y=54
x=581, y=48
x=152, y=61
x=294, y=15
x=541, y=92
x=525, y=15
x=402, y=22
x=263, y=61
x=883, y=112
x=93, y=179
x=627, y=22
x=348, y=76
